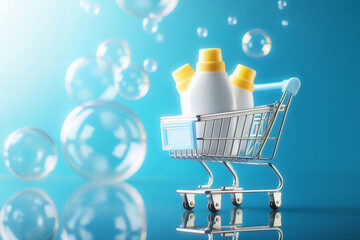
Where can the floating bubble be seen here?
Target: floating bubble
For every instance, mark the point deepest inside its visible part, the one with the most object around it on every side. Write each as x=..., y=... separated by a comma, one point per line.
x=232, y=20
x=132, y=83
x=150, y=25
x=116, y=52
x=103, y=141
x=90, y=6
x=30, y=153
x=256, y=43
x=156, y=17
x=284, y=23
x=29, y=214
x=143, y=8
x=87, y=79
x=159, y=37
x=99, y=211
x=202, y=32
x=282, y=4
x=150, y=65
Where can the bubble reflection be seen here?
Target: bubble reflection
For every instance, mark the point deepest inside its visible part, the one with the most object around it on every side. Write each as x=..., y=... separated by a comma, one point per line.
x=29, y=214
x=104, y=211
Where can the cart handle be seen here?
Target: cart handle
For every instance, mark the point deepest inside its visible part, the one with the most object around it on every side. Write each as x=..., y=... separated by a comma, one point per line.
x=291, y=86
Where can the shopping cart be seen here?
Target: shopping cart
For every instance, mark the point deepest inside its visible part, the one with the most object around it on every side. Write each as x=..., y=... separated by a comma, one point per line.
x=249, y=136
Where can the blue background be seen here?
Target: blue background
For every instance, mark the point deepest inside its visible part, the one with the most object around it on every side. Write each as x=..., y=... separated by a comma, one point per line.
x=317, y=154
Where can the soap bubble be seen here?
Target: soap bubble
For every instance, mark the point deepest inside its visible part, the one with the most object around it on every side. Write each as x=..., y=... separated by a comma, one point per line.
x=256, y=43
x=86, y=80
x=99, y=211
x=132, y=83
x=29, y=214
x=103, y=141
x=284, y=23
x=156, y=17
x=150, y=65
x=116, y=52
x=202, y=32
x=30, y=153
x=150, y=25
x=232, y=20
x=90, y=6
x=145, y=8
x=159, y=37
x=282, y=4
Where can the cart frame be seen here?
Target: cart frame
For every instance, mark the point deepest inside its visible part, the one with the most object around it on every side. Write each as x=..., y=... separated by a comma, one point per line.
x=238, y=137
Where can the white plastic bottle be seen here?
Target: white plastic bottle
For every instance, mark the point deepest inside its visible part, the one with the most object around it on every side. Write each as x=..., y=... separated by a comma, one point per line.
x=243, y=86
x=182, y=77
x=210, y=91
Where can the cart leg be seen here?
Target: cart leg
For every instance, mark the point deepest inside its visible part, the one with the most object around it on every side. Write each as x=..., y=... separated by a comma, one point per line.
x=277, y=173
x=275, y=199
x=234, y=175
x=214, y=202
x=188, y=201
x=211, y=178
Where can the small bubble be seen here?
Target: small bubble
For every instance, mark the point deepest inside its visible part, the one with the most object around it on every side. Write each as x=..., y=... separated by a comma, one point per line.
x=150, y=65
x=116, y=52
x=150, y=25
x=132, y=83
x=232, y=20
x=30, y=153
x=90, y=6
x=256, y=43
x=202, y=32
x=284, y=23
x=155, y=17
x=282, y=4
x=159, y=37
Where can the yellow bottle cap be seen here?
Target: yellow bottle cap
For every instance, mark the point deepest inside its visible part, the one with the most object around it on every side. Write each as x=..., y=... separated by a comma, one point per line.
x=210, y=60
x=243, y=77
x=183, y=76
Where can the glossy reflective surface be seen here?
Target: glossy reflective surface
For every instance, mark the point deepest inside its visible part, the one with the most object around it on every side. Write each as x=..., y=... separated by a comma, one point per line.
x=149, y=209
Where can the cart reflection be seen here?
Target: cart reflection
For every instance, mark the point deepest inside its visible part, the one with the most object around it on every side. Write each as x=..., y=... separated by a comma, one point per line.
x=233, y=229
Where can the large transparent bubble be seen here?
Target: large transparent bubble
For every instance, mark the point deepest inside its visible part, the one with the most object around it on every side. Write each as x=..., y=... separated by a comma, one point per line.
x=145, y=8
x=30, y=153
x=116, y=52
x=28, y=215
x=103, y=141
x=132, y=83
x=98, y=211
x=256, y=43
x=87, y=79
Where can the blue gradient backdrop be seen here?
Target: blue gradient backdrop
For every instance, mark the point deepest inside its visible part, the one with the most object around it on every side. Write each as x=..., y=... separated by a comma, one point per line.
x=318, y=152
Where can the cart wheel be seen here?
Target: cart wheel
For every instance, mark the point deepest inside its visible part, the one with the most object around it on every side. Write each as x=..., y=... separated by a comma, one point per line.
x=273, y=205
x=275, y=200
x=188, y=201
x=236, y=199
x=212, y=208
x=214, y=203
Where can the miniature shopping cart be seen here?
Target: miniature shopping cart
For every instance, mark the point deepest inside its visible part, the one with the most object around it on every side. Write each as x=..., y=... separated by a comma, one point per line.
x=249, y=136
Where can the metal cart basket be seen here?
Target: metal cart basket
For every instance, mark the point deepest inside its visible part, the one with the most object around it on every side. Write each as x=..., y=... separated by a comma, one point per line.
x=249, y=136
